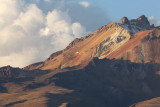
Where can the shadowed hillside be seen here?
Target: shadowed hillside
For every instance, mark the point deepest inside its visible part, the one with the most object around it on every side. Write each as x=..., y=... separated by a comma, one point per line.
x=109, y=83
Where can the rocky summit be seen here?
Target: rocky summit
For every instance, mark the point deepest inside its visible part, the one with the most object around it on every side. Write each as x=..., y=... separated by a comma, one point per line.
x=118, y=65
x=125, y=21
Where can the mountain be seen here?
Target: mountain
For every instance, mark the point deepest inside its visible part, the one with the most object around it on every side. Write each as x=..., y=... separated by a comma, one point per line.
x=116, y=66
x=128, y=40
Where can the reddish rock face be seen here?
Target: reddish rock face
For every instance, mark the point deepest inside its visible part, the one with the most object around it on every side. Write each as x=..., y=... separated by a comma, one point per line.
x=142, y=48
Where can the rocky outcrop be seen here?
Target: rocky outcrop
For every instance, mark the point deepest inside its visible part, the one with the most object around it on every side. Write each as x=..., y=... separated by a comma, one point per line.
x=10, y=72
x=54, y=55
x=37, y=65
x=136, y=25
x=125, y=20
x=143, y=22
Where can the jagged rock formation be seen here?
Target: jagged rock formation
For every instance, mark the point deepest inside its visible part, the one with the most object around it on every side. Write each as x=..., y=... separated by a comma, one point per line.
x=143, y=22
x=136, y=25
x=124, y=21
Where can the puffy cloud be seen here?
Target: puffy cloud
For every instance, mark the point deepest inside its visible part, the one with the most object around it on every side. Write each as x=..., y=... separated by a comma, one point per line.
x=19, y=59
x=31, y=20
x=8, y=12
x=31, y=36
x=18, y=43
x=77, y=29
x=60, y=27
x=91, y=17
x=154, y=21
x=84, y=3
x=10, y=35
x=58, y=21
x=30, y=33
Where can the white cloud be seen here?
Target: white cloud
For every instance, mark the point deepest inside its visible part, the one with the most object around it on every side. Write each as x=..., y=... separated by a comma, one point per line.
x=18, y=59
x=84, y=3
x=58, y=21
x=31, y=20
x=8, y=12
x=28, y=35
x=154, y=21
x=60, y=28
x=77, y=29
x=10, y=35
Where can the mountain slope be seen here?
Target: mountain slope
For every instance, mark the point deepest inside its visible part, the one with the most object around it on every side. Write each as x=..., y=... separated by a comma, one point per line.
x=125, y=40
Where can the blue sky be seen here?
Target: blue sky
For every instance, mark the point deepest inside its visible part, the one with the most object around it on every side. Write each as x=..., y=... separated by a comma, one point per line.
x=115, y=9
x=130, y=8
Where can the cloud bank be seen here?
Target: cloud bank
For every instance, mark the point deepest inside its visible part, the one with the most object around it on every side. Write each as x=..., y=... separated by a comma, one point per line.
x=30, y=33
x=84, y=3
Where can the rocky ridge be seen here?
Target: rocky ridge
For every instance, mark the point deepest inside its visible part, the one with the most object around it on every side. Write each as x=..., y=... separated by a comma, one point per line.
x=10, y=72
x=136, y=25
